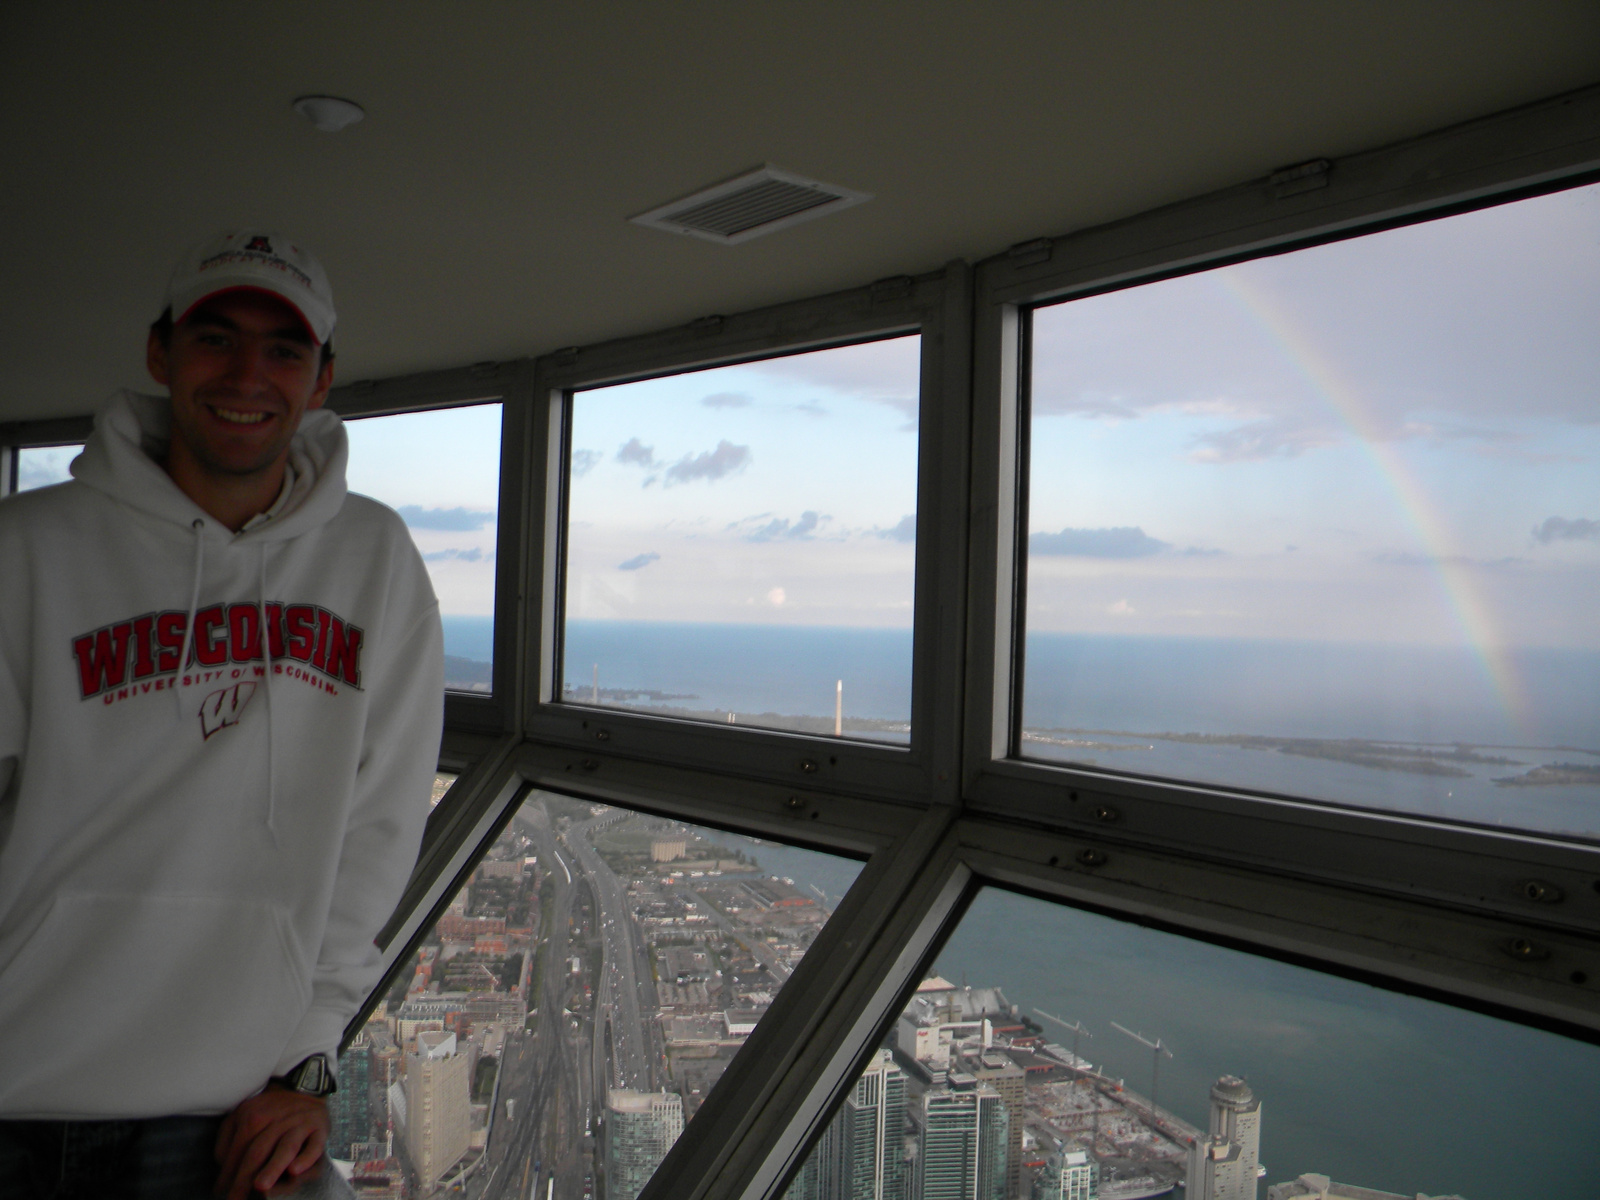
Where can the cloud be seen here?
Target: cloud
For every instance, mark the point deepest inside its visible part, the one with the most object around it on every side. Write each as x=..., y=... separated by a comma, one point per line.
x=727, y=400
x=708, y=464
x=639, y=560
x=883, y=372
x=472, y=555
x=635, y=451
x=1124, y=541
x=1202, y=552
x=811, y=408
x=1121, y=609
x=905, y=531
x=584, y=461
x=1257, y=440
x=776, y=597
x=1562, y=529
x=37, y=474
x=781, y=527
x=452, y=520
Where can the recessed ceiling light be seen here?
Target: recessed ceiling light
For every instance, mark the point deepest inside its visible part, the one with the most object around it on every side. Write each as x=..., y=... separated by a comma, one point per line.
x=329, y=113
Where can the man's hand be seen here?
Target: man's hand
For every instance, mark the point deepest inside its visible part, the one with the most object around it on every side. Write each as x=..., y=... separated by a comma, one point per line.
x=269, y=1135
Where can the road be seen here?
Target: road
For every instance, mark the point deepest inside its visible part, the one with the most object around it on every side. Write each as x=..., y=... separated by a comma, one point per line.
x=540, y=1073
x=556, y=1079
x=627, y=994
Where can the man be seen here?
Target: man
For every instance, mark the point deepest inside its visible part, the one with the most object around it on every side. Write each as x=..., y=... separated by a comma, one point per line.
x=220, y=704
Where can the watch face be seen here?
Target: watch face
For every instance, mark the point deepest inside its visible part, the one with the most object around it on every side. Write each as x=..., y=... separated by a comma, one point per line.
x=313, y=1078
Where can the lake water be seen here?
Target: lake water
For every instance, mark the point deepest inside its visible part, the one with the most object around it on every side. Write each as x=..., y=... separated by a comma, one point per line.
x=1368, y=1086
x=1108, y=701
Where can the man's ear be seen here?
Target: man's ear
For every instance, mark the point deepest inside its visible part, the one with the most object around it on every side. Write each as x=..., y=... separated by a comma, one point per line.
x=324, y=382
x=155, y=358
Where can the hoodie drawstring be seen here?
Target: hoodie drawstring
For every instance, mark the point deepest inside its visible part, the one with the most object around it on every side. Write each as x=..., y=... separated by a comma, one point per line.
x=266, y=684
x=199, y=528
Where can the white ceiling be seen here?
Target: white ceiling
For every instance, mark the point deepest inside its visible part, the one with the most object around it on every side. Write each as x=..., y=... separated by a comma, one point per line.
x=480, y=211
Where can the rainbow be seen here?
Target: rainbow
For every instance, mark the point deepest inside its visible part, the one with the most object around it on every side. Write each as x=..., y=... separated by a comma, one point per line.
x=1460, y=590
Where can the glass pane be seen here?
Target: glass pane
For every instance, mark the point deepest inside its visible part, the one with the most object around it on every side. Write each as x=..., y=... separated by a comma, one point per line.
x=40, y=466
x=441, y=785
x=741, y=543
x=1059, y=1055
x=577, y=1001
x=441, y=470
x=1328, y=523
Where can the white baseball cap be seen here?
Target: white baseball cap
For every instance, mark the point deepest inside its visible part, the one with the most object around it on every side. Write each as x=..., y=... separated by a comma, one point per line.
x=254, y=261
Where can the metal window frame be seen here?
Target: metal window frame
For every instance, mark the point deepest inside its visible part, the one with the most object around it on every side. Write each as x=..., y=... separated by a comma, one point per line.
x=1472, y=871
x=937, y=306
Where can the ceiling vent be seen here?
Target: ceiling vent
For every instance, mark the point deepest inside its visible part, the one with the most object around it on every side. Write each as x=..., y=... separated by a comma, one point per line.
x=758, y=202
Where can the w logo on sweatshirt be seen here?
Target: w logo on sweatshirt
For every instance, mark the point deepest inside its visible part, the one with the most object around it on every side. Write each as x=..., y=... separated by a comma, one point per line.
x=224, y=708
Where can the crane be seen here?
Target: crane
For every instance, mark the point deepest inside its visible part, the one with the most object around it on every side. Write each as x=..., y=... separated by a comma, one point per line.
x=1157, y=1049
x=1076, y=1029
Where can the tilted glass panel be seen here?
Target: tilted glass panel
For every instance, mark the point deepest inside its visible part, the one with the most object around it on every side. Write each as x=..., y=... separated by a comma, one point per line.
x=441, y=470
x=1059, y=1055
x=576, y=1002
x=442, y=783
x=40, y=466
x=1328, y=523
x=741, y=543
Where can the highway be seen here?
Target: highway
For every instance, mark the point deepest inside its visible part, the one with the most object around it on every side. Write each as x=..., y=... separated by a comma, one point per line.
x=556, y=1079
x=540, y=1073
x=627, y=993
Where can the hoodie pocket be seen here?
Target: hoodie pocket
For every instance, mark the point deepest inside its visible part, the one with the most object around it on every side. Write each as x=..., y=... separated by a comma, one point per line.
x=134, y=1006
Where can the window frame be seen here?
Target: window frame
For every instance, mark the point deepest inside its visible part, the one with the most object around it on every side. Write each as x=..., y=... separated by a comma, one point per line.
x=936, y=305
x=1453, y=865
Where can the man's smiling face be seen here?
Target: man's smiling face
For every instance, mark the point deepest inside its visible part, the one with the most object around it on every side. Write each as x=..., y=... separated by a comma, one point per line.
x=242, y=370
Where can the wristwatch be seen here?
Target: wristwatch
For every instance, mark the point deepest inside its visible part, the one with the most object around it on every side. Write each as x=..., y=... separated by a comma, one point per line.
x=310, y=1077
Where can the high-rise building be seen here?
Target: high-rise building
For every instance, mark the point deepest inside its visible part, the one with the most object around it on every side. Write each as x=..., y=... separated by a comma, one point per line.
x=1004, y=1076
x=1224, y=1166
x=438, y=1110
x=350, y=1108
x=873, y=1119
x=861, y=1154
x=1068, y=1175
x=640, y=1128
x=962, y=1134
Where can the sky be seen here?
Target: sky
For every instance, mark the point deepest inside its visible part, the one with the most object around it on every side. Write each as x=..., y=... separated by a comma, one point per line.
x=1392, y=439
x=778, y=492
x=441, y=471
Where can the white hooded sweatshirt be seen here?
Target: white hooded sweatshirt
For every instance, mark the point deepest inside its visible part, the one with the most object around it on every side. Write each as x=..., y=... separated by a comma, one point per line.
x=194, y=863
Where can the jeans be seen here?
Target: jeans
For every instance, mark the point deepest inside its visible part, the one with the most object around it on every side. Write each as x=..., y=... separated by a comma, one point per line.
x=164, y=1158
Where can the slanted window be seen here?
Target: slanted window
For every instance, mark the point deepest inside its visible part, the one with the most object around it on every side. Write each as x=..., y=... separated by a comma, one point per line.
x=1055, y=1054
x=577, y=1000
